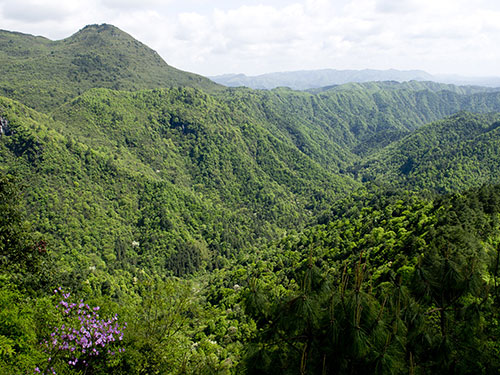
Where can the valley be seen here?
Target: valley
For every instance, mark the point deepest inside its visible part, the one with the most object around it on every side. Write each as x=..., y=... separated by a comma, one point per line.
x=346, y=229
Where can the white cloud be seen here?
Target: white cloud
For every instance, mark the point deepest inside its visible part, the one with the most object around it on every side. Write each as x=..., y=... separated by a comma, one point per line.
x=128, y=5
x=212, y=37
x=36, y=10
x=396, y=6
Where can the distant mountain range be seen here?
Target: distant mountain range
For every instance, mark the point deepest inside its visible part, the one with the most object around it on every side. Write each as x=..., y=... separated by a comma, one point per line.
x=310, y=79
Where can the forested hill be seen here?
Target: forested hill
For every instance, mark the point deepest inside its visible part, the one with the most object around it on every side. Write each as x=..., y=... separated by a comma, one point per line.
x=237, y=230
x=178, y=171
x=443, y=156
x=359, y=118
x=43, y=73
x=201, y=175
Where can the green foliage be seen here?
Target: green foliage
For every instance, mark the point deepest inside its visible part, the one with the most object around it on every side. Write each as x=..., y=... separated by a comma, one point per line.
x=15, y=247
x=166, y=332
x=347, y=309
x=23, y=254
x=245, y=231
x=453, y=154
x=172, y=170
x=43, y=73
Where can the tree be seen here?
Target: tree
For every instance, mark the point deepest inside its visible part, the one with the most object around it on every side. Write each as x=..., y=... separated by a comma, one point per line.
x=19, y=251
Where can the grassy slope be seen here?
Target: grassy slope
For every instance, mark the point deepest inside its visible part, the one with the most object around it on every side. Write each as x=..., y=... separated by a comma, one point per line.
x=43, y=73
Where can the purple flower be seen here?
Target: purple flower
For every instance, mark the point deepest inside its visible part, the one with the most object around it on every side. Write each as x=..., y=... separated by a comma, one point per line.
x=82, y=332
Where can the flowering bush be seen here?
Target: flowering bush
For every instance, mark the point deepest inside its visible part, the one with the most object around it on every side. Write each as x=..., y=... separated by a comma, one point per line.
x=82, y=337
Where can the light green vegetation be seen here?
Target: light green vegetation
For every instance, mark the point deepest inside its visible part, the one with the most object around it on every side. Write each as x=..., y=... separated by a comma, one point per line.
x=245, y=231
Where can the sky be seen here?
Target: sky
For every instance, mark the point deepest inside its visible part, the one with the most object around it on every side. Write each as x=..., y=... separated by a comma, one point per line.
x=212, y=37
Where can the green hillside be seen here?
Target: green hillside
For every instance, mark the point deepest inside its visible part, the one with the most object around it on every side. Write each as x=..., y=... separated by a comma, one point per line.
x=153, y=222
x=357, y=119
x=215, y=172
x=43, y=74
x=175, y=170
x=452, y=154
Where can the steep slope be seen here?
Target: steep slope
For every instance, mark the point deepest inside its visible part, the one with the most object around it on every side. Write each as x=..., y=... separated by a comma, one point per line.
x=191, y=174
x=43, y=74
x=453, y=154
x=191, y=177
x=173, y=170
x=126, y=188
x=357, y=119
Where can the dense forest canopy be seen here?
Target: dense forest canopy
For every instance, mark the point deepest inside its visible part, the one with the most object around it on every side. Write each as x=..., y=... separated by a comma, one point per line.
x=156, y=222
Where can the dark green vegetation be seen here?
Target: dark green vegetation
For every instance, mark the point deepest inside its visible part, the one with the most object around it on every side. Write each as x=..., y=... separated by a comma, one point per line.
x=397, y=285
x=243, y=231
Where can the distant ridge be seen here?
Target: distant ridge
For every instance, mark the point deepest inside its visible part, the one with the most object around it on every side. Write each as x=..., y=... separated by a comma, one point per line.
x=43, y=73
x=311, y=79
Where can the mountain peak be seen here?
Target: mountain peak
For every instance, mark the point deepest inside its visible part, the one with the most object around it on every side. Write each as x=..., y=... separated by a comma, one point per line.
x=100, y=28
x=104, y=32
x=104, y=29
x=95, y=56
